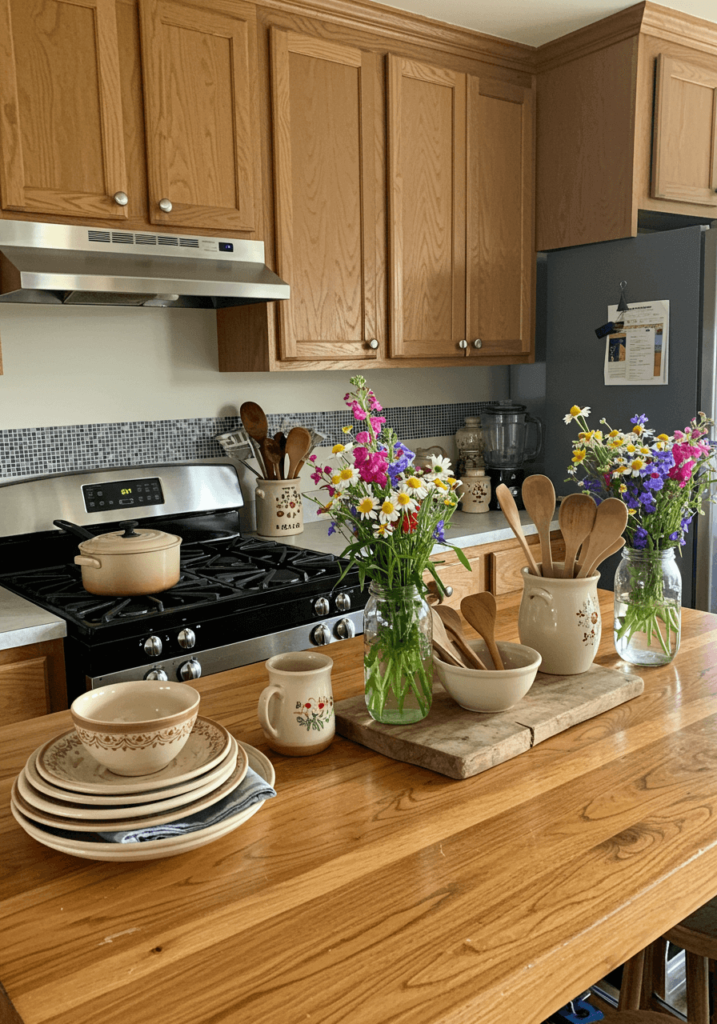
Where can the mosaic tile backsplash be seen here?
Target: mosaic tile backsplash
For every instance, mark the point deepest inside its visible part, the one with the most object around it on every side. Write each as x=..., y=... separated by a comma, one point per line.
x=40, y=451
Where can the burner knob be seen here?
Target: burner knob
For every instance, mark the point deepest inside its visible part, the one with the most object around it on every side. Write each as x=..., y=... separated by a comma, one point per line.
x=321, y=606
x=157, y=673
x=321, y=635
x=343, y=602
x=344, y=629
x=187, y=638
x=190, y=670
x=153, y=647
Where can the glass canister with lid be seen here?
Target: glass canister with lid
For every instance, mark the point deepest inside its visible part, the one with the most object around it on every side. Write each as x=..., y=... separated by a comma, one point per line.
x=469, y=445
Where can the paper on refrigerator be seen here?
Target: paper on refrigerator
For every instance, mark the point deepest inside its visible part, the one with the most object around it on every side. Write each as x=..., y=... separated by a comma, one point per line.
x=638, y=353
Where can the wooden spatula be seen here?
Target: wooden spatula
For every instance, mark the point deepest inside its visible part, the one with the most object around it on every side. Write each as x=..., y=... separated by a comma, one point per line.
x=600, y=558
x=610, y=522
x=454, y=631
x=298, y=445
x=538, y=496
x=576, y=518
x=480, y=612
x=444, y=643
x=510, y=511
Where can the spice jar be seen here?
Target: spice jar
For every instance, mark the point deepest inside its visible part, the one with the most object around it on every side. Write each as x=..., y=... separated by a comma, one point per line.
x=475, y=494
x=469, y=445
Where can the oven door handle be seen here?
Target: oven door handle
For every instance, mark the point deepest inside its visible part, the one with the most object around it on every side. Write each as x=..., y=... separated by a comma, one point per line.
x=86, y=560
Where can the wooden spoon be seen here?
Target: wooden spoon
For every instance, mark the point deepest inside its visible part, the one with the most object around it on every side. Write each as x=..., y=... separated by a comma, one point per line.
x=610, y=522
x=255, y=423
x=480, y=611
x=538, y=496
x=451, y=620
x=280, y=438
x=600, y=558
x=446, y=655
x=444, y=642
x=576, y=518
x=298, y=445
x=510, y=511
x=273, y=458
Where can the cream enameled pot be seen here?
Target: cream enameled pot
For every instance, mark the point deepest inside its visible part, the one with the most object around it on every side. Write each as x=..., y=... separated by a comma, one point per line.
x=129, y=562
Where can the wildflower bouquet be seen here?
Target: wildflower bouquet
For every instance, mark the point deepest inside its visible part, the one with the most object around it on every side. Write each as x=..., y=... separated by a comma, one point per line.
x=663, y=479
x=391, y=515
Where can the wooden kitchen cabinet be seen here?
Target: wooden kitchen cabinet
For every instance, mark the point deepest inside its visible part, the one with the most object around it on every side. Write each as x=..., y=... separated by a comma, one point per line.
x=32, y=681
x=61, y=131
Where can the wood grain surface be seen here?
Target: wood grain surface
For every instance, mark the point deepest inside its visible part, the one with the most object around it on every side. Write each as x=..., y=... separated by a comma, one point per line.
x=372, y=891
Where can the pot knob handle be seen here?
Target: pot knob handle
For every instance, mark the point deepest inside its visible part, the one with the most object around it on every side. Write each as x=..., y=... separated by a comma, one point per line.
x=129, y=527
x=190, y=670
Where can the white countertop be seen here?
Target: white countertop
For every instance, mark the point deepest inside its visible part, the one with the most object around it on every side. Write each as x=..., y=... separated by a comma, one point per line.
x=23, y=623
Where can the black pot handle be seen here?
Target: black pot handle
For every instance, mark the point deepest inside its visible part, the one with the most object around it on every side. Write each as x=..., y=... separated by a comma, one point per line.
x=129, y=526
x=72, y=528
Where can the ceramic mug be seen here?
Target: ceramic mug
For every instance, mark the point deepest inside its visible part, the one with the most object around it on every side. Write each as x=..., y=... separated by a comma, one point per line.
x=279, y=509
x=561, y=620
x=296, y=709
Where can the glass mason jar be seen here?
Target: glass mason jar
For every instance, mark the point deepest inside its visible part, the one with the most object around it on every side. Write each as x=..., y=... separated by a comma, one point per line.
x=648, y=599
x=398, y=661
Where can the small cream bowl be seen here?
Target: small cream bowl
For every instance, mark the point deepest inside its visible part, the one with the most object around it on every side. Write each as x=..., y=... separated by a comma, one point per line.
x=493, y=690
x=136, y=728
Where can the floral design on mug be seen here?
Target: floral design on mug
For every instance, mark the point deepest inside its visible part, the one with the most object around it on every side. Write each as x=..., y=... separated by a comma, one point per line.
x=314, y=713
x=288, y=503
x=589, y=622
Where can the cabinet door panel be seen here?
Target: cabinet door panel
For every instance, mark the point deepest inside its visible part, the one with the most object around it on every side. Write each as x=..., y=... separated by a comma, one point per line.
x=426, y=146
x=199, y=81
x=500, y=232
x=324, y=121
x=61, y=132
x=685, y=146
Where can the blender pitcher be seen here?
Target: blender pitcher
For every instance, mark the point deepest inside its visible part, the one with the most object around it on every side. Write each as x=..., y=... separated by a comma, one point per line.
x=505, y=433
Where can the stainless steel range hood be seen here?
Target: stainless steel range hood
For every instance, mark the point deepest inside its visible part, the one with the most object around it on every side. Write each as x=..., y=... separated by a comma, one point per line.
x=72, y=265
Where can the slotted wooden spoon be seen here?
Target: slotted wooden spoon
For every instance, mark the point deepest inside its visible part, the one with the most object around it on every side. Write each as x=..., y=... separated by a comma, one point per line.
x=538, y=496
x=298, y=445
x=576, y=518
x=454, y=631
x=273, y=458
x=610, y=522
x=510, y=511
x=480, y=612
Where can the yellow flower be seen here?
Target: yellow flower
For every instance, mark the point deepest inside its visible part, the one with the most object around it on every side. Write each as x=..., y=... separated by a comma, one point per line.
x=347, y=430
x=579, y=454
x=452, y=481
x=439, y=483
x=403, y=498
x=638, y=429
x=662, y=437
x=636, y=465
x=622, y=488
x=632, y=511
x=450, y=502
x=644, y=450
x=614, y=433
x=338, y=448
x=630, y=448
x=576, y=411
x=336, y=479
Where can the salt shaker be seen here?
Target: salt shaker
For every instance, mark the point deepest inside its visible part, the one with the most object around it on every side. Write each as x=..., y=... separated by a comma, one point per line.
x=476, y=490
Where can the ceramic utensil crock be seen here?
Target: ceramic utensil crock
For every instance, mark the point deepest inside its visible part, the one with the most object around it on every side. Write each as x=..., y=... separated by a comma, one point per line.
x=296, y=709
x=129, y=563
x=561, y=620
x=279, y=509
x=475, y=494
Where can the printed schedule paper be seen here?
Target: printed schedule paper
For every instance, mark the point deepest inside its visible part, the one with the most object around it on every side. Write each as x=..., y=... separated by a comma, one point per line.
x=638, y=351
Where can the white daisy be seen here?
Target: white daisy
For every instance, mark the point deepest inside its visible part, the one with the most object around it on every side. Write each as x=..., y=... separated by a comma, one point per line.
x=367, y=508
x=383, y=529
x=341, y=449
x=440, y=466
x=416, y=486
x=575, y=412
x=405, y=499
x=345, y=477
x=390, y=510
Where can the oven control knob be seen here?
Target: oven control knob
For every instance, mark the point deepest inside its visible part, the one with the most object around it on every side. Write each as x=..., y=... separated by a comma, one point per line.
x=344, y=628
x=153, y=647
x=157, y=673
x=321, y=606
x=343, y=602
x=190, y=670
x=187, y=638
x=321, y=635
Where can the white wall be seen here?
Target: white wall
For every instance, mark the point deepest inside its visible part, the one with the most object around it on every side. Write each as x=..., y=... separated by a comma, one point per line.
x=87, y=365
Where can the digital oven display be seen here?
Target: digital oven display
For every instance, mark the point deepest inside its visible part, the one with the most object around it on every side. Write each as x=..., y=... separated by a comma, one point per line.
x=122, y=494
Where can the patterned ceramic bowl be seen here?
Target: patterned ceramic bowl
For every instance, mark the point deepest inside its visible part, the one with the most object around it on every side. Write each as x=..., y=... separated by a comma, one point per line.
x=135, y=728
x=493, y=690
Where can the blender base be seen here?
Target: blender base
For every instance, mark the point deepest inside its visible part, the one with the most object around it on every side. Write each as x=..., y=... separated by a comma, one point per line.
x=513, y=480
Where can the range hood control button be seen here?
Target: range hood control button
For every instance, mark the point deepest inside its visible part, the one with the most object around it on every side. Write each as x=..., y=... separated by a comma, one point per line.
x=344, y=629
x=321, y=635
x=153, y=647
x=187, y=638
x=343, y=602
x=189, y=670
x=321, y=606
x=157, y=673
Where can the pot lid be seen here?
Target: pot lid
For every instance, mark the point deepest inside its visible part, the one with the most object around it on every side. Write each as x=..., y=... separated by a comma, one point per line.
x=129, y=541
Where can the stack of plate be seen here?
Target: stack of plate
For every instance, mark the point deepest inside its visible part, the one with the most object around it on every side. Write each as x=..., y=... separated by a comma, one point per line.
x=65, y=799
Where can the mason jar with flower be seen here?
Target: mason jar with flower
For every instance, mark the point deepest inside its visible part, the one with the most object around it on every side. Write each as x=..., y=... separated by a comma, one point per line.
x=664, y=479
x=392, y=514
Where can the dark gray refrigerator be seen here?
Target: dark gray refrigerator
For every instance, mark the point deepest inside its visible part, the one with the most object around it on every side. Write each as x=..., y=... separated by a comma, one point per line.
x=678, y=265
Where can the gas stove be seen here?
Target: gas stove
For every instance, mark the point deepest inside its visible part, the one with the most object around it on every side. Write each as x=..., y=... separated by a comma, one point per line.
x=239, y=599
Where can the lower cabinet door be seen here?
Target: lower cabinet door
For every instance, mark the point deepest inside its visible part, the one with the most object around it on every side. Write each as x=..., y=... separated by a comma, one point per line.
x=32, y=681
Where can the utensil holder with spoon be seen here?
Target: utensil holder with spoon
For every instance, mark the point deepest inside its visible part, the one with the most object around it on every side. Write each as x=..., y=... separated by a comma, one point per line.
x=560, y=618
x=279, y=508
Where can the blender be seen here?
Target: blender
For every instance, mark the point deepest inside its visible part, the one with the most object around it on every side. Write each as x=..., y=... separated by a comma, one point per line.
x=505, y=433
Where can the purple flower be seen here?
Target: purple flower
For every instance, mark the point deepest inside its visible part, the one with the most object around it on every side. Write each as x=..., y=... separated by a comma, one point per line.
x=641, y=419
x=405, y=458
x=439, y=533
x=639, y=541
x=675, y=535
x=332, y=529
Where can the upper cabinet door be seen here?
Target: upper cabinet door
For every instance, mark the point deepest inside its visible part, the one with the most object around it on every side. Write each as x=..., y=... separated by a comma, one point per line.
x=500, y=232
x=684, y=162
x=325, y=122
x=61, y=141
x=199, y=82
x=427, y=196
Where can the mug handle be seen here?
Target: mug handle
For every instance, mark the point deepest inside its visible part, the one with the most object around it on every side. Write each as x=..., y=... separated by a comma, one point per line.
x=263, y=709
x=542, y=594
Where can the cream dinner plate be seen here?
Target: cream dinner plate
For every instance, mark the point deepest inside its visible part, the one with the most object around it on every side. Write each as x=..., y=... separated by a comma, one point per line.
x=79, y=823
x=90, y=847
x=78, y=813
x=65, y=762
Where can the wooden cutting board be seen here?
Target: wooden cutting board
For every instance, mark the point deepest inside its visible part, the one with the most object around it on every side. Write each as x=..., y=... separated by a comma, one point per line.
x=460, y=743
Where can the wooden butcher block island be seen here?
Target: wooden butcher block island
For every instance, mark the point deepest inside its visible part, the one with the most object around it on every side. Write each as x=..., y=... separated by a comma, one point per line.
x=373, y=891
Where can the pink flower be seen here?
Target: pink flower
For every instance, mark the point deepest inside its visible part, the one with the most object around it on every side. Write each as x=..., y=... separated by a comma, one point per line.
x=362, y=437
x=377, y=422
x=316, y=477
x=375, y=406
x=372, y=466
x=312, y=458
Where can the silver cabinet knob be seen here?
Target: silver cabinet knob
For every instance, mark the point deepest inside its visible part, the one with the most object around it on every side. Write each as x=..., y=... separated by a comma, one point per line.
x=321, y=606
x=477, y=343
x=121, y=198
x=321, y=635
x=156, y=673
x=344, y=629
x=165, y=205
x=373, y=343
x=187, y=638
x=153, y=646
x=449, y=591
x=190, y=670
x=343, y=602
x=463, y=344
